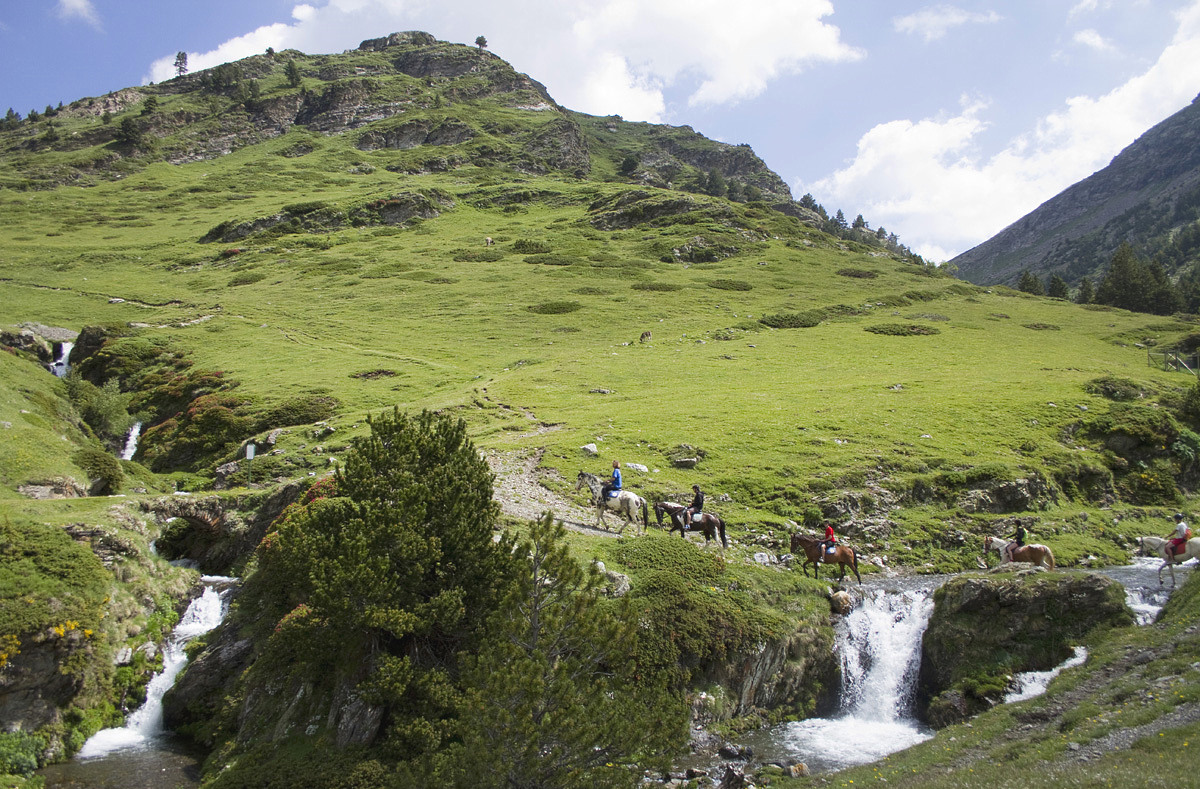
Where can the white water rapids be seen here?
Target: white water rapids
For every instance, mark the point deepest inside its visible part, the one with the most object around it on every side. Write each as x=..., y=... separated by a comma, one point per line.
x=879, y=644
x=61, y=365
x=131, y=441
x=145, y=724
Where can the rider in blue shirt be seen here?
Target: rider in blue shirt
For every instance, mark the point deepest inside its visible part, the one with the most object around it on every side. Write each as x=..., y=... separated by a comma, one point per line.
x=614, y=485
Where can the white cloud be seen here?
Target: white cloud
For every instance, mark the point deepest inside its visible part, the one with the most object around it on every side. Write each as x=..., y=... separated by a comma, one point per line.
x=933, y=22
x=1093, y=40
x=929, y=177
x=603, y=57
x=78, y=9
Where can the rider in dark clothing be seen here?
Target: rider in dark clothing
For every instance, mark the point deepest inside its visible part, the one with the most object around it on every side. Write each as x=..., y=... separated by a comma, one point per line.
x=615, y=484
x=695, y=508
x=1018, y=541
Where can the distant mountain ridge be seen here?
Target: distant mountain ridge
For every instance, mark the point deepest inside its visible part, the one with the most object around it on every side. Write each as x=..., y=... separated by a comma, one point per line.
x=1148, y=196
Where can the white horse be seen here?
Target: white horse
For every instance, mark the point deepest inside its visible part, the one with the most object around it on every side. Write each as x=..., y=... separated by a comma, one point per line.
x=1034, y=553
x=624, y=503
x=1157, y=546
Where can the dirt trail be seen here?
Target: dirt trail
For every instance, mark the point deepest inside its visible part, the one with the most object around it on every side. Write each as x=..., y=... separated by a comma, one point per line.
x=521, y=494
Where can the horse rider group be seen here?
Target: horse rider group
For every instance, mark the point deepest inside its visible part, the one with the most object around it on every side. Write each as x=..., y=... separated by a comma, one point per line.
x=692, y=514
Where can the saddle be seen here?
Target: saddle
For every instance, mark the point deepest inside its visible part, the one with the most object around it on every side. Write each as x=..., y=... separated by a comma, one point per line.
x=1179, y=549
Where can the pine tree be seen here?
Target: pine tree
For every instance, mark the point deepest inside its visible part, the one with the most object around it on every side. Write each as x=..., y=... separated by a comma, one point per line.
x=481, y=42
x=181, y=63
x=1029, y=283
x=1057, y=288
x=1086, y=292
x=553, y=702
x=1127, y=282
x=292, y=72
x=401, y=565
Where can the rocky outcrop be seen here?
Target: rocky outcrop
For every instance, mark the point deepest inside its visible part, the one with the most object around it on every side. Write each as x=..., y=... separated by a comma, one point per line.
x=636, y=207
x=415, y=133
x=797, y=674
x=193, y=702
x=35, y=688
x=559, y=145
x=986, y=628
x=1017, y=495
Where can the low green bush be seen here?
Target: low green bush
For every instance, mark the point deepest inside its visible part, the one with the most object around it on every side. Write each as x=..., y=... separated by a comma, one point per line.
x=246, y=278
x=902, y=329
x=730, y=284
x=300, y=410
x=792, y=320
x=554, y=307
x=658, y=287
x=99, y=465
x=857, y=273
x=527, y=246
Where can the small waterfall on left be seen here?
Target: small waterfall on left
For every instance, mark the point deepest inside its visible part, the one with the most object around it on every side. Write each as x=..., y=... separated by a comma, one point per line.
x=145, y=725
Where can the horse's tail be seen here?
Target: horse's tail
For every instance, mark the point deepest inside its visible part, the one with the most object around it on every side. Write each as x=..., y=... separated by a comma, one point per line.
x=646, y=516
x=721, y=526
x=1050, y=557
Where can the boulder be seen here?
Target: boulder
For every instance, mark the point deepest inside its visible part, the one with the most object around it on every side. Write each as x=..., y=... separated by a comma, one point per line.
x=986, y=628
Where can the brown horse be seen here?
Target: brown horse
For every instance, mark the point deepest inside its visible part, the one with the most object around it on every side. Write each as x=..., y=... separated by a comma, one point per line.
x=814, y=555
x=1034, y=553
x=708, y=525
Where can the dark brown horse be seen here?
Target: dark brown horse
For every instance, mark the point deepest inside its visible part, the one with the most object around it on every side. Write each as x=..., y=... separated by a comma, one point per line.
x=674, y=509
x=815, y=554
x=709, y=525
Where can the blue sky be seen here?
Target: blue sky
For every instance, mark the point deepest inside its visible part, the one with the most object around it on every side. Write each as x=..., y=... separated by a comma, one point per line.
x=942, y=122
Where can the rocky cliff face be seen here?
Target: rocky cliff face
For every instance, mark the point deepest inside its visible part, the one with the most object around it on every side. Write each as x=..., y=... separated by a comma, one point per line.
x=986, y=628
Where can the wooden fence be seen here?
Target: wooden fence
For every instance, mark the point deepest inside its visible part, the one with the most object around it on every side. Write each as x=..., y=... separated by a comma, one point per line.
x=1174, y=361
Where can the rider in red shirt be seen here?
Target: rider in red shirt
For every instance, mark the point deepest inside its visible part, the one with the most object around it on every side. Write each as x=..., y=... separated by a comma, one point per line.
x=829, y=541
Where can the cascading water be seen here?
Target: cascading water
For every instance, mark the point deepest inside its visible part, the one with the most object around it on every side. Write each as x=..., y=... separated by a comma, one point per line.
x=61, y=365
x=131, y=441
x=880, y=648
x=145, y=725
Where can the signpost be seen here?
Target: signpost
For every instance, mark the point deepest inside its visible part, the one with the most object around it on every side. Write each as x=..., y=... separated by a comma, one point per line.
x=250, y=448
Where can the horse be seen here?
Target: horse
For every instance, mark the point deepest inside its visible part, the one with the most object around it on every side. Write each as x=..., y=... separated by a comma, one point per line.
x=671, y=508
x=1157, y=546
x=1033, y=553
x=625, y=503
x=708, y=525
x=815, y=554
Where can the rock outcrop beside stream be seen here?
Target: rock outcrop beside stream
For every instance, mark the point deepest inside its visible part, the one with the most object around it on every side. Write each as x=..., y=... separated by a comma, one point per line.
x=984, y=629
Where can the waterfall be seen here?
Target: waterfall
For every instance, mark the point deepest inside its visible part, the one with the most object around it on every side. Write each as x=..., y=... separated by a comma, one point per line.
x=879, y=644
x=61, y=366
x=145, y=724
x=131, y=441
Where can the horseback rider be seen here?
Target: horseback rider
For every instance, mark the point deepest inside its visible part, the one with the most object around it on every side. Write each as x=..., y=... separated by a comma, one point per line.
x=612, y=486
x=830, y=542
x=694, y=510
x=1178, y=536
x=1018, y=541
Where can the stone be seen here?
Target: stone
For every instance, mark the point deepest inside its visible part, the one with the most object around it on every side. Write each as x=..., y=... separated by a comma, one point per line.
x=223, y=473
x=590, y=449
x=841, y=602
x=637, y=467
x=685, y=462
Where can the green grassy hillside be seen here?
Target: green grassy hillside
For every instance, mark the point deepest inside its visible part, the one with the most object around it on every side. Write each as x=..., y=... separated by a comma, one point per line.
x=417, y=225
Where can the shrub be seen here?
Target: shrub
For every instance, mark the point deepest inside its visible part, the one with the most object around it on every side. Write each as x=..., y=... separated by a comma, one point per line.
x=246, y=278
x=792, y=320
x=1042, y=326
x=526, y=246
x=661, y=287
x=1114, y=388
x=478, y=255
x=902, y=329
x=19, y=753
x=857, y=273
x=99, y=465
x=550, y=260
x=554, y=307
x=300, y=410
x=730, y=284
